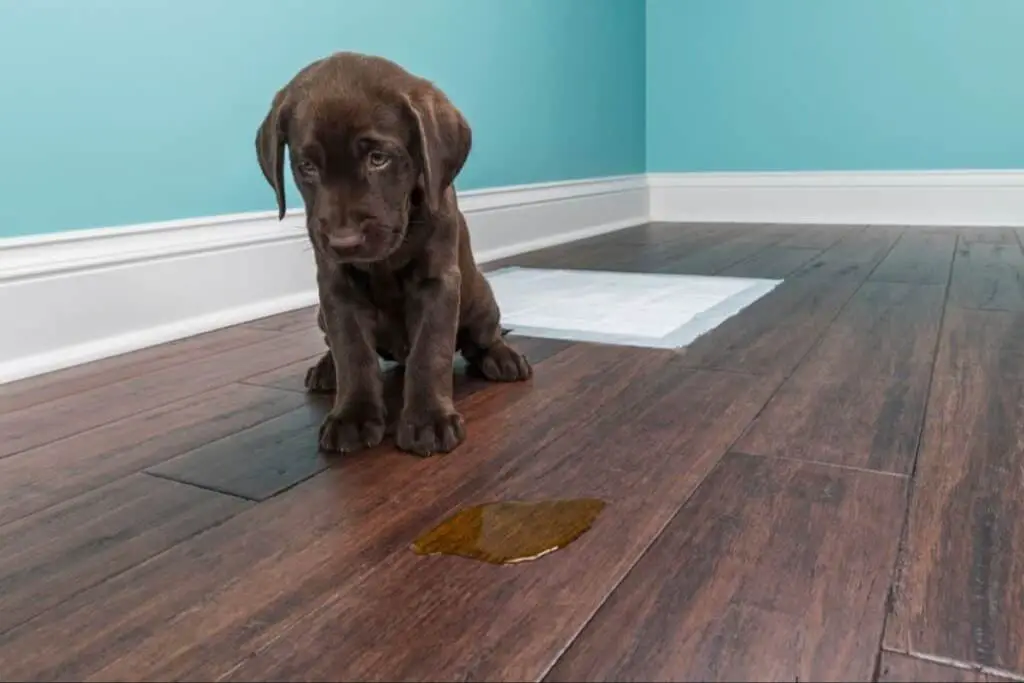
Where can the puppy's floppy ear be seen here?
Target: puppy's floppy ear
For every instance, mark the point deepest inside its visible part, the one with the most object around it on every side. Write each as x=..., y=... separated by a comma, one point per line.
x=270, y=141
x=443, y=139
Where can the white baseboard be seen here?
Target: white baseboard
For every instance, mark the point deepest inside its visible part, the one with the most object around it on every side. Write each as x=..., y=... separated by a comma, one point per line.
x=73, y=297
x=911, y=198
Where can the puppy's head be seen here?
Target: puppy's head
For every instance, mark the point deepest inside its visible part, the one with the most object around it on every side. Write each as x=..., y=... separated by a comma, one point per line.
x=370, y=146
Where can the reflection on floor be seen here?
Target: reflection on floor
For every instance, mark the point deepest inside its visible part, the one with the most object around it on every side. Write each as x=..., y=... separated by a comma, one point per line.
x=824, y=487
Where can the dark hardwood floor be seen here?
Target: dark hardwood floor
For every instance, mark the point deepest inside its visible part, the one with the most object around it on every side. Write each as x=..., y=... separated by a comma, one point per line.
x=828, y=486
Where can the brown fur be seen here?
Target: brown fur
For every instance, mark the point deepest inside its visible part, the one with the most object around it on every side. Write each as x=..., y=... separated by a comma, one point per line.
x=374, y=151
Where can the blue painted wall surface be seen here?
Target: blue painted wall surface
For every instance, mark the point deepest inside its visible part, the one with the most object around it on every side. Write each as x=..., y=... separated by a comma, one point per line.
x=128, y=111
x=772, y=85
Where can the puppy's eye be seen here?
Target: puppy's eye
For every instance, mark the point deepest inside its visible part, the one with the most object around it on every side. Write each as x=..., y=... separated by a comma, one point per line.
x=378, y=160
x=307, y=168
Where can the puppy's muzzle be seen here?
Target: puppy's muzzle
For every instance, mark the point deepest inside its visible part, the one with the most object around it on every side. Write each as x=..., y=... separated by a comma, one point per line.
x=344, y=241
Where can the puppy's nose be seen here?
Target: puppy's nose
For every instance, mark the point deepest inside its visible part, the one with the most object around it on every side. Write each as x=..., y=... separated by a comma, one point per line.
x=345, y=240
x=359, y=217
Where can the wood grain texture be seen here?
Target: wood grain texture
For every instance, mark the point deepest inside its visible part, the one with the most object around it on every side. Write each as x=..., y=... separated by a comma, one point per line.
x=774, y=567
x=897, y=668
x=754, y=341
x=46, y=422
x=290, y=377
x=638, y=249
x=715, y=257
x=202, y=606
x=39, y=477
x=773, y=262
x=961, y=590
x=988, y=275
x=819, y=237
x=456, y=619
x=922, y=257
x=81, y=378
x=292, y=321
x=50, y=556
x=870, y=245
x=774, y=570
x=985, y=233
x=859, y=397
x=258, y=462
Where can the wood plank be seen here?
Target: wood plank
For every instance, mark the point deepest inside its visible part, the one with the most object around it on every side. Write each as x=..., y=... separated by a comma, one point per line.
x=62, y=417
x=775, y=570
x=819, y=236
x=772, y=335
x=897, y=668
x=988, y=275
x=40, y=477
x=293, y=321
x=273, y=456
x=290, y=377
x=754, y=340
x=50, y=556
x=869, y=246
x=199, y=608
x=592, y=252
x=986, y=233
x=280, y=578
x=678, y=237
x=258, y=462
x=961, y=590
x=443, y=618
x=859, y=397
x=80, y=378
x=774, y=262
x=630, y=250
x=715, y=258
x=921, y=257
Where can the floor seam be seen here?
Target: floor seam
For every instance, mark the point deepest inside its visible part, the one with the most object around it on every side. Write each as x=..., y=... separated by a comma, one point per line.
x=204, y=487
x=895, y=573
x=116, y=574
x=821, y=335
x=960, y=664
x=268, y=335
x=776, y=242
x=270, y=386
x=141, y=470
x=741, y=432
x=820, y=463
x=164, y=404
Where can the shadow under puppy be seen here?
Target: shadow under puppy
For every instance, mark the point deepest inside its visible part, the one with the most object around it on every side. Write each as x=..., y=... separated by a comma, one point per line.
x=374, y=151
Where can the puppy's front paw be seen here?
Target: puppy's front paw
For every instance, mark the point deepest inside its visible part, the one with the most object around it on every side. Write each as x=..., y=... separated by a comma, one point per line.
x=352, y=428
x=429, y=432
x=321, y=378
x=502, y=363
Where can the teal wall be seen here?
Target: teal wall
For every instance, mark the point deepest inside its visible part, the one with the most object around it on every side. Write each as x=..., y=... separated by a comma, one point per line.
x=130, y=111
x=767, y=85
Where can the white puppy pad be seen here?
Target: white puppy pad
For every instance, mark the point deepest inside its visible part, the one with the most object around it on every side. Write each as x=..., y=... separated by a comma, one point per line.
x=633, y=309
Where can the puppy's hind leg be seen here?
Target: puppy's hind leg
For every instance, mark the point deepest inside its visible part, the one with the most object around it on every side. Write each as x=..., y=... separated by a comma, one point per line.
x=321, y=376
x=482, y=340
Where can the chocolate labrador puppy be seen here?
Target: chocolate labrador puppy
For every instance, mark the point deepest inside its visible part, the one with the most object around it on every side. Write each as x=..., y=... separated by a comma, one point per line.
x=374, y=151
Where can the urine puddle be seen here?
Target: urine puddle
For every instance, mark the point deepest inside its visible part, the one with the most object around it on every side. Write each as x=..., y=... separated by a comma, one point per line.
x=511, y=531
